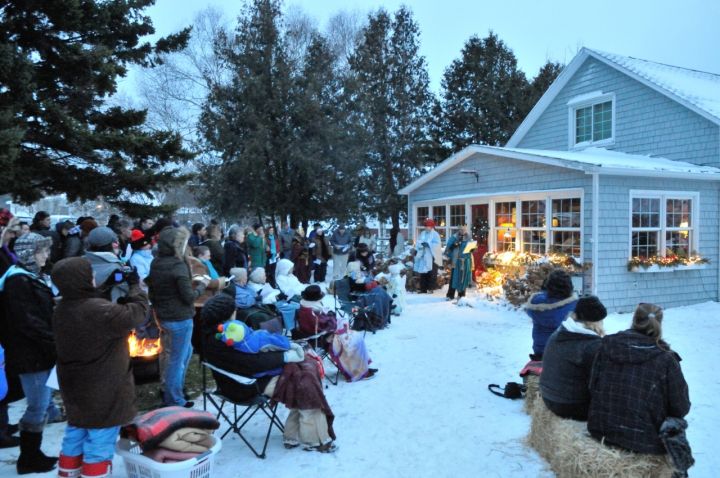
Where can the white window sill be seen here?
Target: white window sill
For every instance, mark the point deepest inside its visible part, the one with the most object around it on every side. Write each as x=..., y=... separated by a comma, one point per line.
x=589, y=144
x=657, y=268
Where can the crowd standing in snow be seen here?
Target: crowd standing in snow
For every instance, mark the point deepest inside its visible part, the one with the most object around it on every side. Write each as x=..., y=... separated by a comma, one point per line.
x=72, y=293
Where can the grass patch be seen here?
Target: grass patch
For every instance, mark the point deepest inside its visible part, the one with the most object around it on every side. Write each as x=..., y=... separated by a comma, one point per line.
x=148, y=396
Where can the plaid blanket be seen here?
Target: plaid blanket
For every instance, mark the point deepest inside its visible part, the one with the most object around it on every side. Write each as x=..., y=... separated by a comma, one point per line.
x=151, y=428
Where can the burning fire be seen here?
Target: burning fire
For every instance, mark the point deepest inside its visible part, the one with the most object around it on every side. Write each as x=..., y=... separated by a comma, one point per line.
x=143, y=347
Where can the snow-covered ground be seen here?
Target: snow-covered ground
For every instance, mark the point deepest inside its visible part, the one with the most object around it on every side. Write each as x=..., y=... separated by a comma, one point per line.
x=428, y=412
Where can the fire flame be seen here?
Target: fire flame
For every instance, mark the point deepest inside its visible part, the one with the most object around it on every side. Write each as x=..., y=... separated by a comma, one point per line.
x=143, y=347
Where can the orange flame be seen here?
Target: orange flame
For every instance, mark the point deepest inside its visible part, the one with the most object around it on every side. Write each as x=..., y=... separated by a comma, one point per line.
x=143, y=347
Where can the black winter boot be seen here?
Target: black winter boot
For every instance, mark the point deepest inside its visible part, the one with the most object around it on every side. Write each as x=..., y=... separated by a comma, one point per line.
x=32, y=459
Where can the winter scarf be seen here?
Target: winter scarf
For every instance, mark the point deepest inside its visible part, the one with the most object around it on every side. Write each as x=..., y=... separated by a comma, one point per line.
x=211, y=269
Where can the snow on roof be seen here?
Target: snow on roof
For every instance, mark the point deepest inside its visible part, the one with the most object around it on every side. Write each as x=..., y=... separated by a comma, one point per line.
x=603, y=158
x=591, y=160
x=699, y=88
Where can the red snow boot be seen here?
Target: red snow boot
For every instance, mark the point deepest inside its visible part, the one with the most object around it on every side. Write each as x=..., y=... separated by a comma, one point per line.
x=97, y=470
x=69, y=466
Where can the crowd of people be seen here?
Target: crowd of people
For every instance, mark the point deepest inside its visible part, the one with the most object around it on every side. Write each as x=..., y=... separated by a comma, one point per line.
x=72, y=293
x=628, y=386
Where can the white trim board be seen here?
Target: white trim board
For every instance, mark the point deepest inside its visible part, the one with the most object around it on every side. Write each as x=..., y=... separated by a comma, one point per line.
x=569, y=71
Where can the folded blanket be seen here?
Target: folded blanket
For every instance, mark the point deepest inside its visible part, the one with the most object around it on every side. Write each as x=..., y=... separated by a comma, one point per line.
x=162, y=455
x=189, y=440
x=151, y=428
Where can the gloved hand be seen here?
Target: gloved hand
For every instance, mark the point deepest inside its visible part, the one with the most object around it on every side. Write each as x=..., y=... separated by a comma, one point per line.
x=311, y=245
x=133, y=278
x=317, y=262
x=295, y=354
x=425, y=244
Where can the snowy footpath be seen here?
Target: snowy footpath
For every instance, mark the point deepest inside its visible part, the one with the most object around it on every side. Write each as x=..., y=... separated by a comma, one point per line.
x=428, y=412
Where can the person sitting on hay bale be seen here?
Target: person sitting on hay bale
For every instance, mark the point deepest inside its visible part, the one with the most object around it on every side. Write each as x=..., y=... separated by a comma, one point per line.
x=568, y=360
x=548, y=308
x=637, y=385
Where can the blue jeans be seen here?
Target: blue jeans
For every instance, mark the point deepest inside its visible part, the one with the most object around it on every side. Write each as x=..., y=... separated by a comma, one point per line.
x=94, y=444
x=38, y=396
x=175, y=339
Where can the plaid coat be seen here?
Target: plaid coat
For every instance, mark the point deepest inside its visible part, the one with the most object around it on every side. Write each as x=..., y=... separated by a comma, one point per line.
x=634, y=386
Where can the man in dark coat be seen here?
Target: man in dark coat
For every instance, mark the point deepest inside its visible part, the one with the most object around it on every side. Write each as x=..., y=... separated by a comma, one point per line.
x=96, y=382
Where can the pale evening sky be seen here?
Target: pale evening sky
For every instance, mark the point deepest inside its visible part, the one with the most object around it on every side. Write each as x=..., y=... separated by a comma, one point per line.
x=682, y=33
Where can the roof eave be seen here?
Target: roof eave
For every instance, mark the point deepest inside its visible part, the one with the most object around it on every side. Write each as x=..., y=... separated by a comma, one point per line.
x=699, y=176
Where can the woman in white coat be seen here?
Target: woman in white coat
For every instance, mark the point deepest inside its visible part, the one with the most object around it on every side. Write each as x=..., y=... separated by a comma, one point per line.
x=429, y=251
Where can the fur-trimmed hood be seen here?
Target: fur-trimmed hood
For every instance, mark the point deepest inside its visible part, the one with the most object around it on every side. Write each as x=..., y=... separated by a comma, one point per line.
x=172, y=242
x=537, y=302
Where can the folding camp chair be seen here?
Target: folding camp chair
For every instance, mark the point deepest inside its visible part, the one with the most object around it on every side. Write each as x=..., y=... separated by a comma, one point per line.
x=315, y=341
x=256, y=402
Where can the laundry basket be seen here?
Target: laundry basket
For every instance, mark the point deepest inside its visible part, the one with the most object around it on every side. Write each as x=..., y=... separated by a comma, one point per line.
x=139, y=466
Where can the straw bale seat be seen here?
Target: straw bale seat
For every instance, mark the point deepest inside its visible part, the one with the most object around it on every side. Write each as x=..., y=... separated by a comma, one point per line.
x=572, y=453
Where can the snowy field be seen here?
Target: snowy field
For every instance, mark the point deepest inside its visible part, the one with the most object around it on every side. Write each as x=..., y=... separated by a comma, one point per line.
x=428, y=413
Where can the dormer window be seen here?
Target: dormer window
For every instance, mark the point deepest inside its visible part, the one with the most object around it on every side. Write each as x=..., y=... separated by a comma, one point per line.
x=592, y=120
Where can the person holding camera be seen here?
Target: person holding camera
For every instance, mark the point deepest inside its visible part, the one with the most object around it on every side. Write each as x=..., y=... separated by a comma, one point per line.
x=103, y=248
x=173, y=297
x=96, y=382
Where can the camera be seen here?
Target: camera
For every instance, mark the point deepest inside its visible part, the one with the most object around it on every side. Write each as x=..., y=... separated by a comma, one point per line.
x=121, y=274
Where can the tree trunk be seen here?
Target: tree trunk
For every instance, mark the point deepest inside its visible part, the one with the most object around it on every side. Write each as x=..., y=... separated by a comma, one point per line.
x=394, y=231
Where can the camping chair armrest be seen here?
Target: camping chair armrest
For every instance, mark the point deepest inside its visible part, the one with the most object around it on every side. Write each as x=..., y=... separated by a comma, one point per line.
x=238, y=378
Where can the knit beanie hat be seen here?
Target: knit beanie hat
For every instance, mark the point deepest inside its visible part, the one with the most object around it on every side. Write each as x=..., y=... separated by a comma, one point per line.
x=101, y=236
x=590, y=309
x=27, y=246
x=138, y=239
x=256, y=275
x=217, y=309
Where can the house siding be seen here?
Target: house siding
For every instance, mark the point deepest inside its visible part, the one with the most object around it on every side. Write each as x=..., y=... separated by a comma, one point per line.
x=622, y=290
x=502, y=175
x=647, y=122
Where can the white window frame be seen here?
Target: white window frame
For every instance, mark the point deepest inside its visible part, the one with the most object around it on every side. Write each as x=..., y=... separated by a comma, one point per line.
x=517, y=198
x=584, y=101
x=663, y=196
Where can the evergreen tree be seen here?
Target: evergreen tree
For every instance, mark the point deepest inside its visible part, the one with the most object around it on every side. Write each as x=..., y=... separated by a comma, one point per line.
x=325, y=183
x=247, y=122
x=483, y=98
x=545, y=77
x=59, y=61
x=389, y=86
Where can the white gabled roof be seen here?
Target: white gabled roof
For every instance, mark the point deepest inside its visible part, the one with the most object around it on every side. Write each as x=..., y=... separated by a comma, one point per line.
x=697, y=90
x=590, y=160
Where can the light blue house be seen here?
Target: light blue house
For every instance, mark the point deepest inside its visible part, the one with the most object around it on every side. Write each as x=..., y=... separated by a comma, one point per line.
x=619, y=161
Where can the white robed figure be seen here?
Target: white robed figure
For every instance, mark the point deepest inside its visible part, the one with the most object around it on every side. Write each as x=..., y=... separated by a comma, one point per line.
x=429, y=251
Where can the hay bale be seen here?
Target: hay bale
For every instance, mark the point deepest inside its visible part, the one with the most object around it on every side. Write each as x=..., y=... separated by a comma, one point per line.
x=532, y=392
x=573, y=453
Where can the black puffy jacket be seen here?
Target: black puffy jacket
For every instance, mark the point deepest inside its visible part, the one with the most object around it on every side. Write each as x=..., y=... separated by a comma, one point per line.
x=567, y=363
x=170, y=284
x=635, y=385
x=27, y=334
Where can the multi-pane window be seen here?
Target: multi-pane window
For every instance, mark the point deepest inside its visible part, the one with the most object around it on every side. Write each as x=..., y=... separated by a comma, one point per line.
x=505, y=225
x=661, y=226
x=457, y=217
x=593, y=123
x=533, y=226
x=565, y=226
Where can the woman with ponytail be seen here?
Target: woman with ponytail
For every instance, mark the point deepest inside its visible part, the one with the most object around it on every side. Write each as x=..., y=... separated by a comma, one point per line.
x=636, y=383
